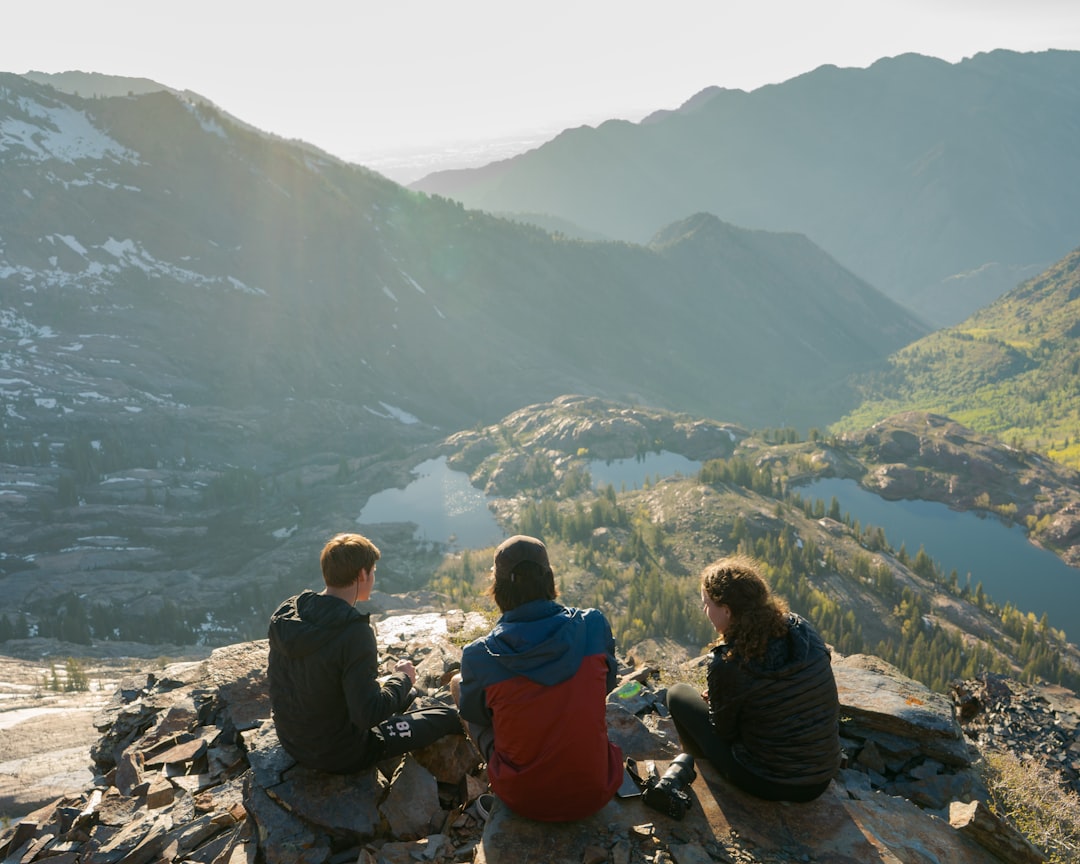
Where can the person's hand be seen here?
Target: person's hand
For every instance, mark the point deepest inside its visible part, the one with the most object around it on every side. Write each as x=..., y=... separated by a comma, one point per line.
x=406, y=667
x=705, y=694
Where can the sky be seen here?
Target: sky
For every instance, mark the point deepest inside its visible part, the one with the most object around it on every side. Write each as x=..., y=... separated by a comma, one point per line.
x=403, y=85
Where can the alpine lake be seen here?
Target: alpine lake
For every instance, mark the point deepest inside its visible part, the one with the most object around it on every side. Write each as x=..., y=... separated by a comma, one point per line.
x=448, y=510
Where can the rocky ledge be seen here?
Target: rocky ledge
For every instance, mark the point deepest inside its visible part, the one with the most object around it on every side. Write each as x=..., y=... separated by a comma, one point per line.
x=189, y=769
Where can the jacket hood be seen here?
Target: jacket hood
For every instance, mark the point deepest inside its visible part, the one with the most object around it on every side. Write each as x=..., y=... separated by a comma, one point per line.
x=546, y=642
x=306, y=622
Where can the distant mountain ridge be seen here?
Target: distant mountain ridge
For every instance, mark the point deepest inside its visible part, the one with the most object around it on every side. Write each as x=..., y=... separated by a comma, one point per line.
x=941, y=184
x=94, y=84
x=196, y=257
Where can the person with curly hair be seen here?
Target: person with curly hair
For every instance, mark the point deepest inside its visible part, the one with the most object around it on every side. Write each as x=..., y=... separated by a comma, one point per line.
x=769, y=718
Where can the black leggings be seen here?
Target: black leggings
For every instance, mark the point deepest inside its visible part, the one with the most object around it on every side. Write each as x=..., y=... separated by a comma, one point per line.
x=412, y=731
x=691, y=716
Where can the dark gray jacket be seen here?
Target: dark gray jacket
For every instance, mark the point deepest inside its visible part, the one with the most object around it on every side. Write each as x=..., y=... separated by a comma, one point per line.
x=323, y=689
x=781, y=713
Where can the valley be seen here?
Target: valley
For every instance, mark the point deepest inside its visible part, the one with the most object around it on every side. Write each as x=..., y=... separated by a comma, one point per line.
x=201, y=381
x=124, y=569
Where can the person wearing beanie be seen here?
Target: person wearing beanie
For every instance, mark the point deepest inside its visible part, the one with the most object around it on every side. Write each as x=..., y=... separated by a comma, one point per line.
x=533, y=693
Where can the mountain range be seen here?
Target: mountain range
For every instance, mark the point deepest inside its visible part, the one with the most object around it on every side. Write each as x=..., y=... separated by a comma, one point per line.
x=941, y=184
x=195, y=263
x=215, y=344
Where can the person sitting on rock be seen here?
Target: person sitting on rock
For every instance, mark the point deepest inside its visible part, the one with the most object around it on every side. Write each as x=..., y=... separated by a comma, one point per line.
x=533, y=693
x=330, y=710
x=769, y=718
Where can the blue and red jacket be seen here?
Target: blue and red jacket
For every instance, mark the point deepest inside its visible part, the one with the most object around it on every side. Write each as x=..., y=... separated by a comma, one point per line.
x=541, y=680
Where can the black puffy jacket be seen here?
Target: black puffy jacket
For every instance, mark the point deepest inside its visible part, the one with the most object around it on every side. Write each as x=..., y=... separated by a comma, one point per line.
x=323, y=689
x=781, y=712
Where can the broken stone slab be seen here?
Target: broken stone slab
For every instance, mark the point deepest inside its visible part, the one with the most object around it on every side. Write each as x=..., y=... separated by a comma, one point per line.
x=265, y=754
x=435, y=670
x=20, y=835
x=116, y=809
x=120, y=728
x=834, y=827
x=68, y=856
x=178, y=754
x=193, y=783
x=237, y=674
x=283, y=837
x=634, y=737
x=129, y=771
x=224, y=759
x=997, y=836
x=170, y=727
x=227, y=796
x=341, y=804
x=449, y=758
x=511, y=839
x=138, y=844
x=233, y=846
x=877, y=695
x=193, y=834
x=939, y=791
x=160, y=794
x=411, y=807
x=690, y=853
x=898, y=750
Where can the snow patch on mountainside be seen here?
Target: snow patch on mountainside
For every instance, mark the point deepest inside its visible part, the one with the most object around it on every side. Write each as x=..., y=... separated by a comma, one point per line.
x=58, y=132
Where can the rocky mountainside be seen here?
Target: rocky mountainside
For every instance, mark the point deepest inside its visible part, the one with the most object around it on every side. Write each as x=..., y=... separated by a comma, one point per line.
x=188, y=768
x=942, y=184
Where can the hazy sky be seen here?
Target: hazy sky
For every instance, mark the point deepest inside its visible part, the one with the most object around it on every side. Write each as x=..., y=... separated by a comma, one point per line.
x=363, y=78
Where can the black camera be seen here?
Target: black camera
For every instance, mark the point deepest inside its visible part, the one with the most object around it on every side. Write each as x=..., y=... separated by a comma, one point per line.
x=666, y=794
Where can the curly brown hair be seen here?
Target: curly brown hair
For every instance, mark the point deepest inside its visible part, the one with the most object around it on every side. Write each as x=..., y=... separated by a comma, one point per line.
x=756, y=614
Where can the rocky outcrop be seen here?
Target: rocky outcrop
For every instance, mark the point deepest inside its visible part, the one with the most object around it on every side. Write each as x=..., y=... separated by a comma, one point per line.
x=1040, y=723
x=571, y=428
x=190, y=770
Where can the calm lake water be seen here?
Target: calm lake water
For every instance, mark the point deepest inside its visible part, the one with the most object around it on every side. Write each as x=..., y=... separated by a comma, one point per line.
x=631, y=473
x=994, y=553
x=442, y=503
x=446, y=508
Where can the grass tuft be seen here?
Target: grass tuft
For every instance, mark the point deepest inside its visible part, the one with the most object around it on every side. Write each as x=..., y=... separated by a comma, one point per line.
x=1031, y=795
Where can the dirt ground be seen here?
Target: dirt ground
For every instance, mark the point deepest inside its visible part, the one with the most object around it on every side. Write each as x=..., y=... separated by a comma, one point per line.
x=45, y=734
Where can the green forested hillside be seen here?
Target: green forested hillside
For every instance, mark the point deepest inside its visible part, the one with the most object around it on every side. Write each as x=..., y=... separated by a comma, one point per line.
x=1011, y=370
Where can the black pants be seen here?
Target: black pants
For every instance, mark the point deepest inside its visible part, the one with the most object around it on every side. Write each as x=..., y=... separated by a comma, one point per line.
x=690, y=714
x=412, y=731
